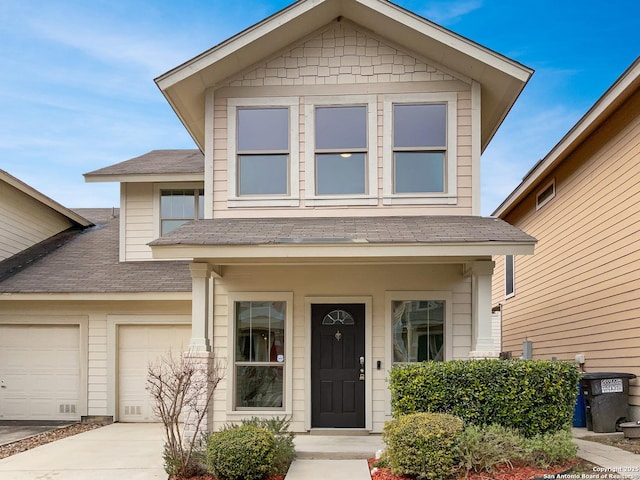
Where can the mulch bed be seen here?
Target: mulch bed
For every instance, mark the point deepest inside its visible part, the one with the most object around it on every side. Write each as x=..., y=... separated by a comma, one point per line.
x=503, y=472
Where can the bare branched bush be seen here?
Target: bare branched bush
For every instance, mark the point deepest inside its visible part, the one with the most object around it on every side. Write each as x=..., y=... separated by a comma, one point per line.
x=182, y=388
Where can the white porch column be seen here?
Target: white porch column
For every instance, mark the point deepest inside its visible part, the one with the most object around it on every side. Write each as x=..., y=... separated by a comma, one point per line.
x=200, y=285
x=483, y=345
x=199, y=354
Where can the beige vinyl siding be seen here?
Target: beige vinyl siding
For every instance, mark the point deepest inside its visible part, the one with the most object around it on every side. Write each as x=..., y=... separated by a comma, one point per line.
x=25, y=222
x=138, y=221
x=336, y=281
x=337, y=62
x=580, y=292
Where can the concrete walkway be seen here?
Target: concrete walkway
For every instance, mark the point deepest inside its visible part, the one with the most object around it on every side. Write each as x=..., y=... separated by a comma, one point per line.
x=612, y=460
x=125, y=451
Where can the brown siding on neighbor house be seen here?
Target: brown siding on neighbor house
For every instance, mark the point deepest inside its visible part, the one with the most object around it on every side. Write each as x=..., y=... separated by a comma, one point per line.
x=342, y=60
x=25, y=221
x=580, y=292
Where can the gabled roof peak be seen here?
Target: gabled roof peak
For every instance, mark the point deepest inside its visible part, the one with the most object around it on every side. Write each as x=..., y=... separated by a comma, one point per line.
x=501, y=79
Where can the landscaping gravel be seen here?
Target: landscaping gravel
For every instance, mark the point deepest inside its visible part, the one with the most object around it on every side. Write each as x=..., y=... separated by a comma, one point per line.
x=46, y=437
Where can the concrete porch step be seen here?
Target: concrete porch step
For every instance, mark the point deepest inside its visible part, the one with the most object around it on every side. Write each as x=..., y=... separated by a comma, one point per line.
x=337, y=447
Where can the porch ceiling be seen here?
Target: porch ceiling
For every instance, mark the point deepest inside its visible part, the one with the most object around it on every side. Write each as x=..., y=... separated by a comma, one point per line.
x=344, y=239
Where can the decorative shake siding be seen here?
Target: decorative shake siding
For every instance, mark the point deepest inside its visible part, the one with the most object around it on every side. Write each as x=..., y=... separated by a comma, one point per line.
x=580, y=292
x=25, y=221
x=336, y=281
x=342, y=60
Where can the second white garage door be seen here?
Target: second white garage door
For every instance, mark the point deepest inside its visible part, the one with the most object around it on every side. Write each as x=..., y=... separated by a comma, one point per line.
x=137, y=346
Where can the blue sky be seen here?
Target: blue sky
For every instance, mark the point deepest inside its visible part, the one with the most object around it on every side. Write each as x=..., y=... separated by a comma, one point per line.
x=77, y=90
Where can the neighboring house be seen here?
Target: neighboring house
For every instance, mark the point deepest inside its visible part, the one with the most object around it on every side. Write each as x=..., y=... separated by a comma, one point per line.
x=27, y=217
x=579, y=293
x=337, y=232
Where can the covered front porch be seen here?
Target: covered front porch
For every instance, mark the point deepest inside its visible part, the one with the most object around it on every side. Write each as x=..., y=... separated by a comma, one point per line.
x=309, y=329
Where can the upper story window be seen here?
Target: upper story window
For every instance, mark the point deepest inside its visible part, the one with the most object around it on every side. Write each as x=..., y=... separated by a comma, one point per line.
x=263, y=151
x=341, y=163
x=180, y=206
x=419, y=146
x=420, y=154
x=341, y=150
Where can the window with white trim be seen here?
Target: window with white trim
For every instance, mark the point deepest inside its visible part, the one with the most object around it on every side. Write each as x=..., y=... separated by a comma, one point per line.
x=179, y=206
x=509, y=276
x=420, y=326
x=341, y=161
x=259, y=367
x=418, y=330
x=419, y=147
x=263, y=152
x=420, y=154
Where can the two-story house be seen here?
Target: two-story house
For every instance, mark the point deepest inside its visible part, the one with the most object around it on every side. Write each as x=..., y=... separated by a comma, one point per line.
x=578, y=295
x=329, y=220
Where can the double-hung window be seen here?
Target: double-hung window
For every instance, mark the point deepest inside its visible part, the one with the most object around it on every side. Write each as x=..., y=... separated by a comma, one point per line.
x=261, y=338
x=180, y=206
x=263, y=159
x=420, y=153
x=341, y=153
x=419, y=147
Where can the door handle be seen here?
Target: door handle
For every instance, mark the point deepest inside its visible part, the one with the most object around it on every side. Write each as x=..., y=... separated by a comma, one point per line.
x=361, y=377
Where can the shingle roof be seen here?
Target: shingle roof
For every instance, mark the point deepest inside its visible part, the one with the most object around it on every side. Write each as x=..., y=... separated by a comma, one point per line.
x=156, y=162
x=89, y=263
x=418, y=229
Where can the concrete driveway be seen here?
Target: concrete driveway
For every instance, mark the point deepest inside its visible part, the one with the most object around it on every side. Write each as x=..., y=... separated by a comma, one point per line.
x=131, y=451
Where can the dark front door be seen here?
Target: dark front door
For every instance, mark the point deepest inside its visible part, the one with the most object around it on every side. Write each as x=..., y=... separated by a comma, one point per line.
x=337, y=347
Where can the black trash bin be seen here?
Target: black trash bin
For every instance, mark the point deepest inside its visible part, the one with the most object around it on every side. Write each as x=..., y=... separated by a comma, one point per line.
x=606, y=399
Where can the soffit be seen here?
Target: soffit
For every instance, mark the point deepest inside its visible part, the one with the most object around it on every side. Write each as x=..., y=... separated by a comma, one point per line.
x=501, y=79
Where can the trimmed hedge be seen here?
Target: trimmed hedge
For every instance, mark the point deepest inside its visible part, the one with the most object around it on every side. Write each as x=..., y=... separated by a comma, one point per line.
x=422, y=445
x=532, y=396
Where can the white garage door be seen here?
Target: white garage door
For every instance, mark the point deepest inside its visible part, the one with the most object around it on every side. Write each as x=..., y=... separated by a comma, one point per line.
x=137, y=346
x=39, y=372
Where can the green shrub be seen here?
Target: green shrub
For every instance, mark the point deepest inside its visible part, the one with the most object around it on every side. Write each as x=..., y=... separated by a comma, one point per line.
x=243, y=452
x=532, y=396
x=550, y=449
x=481, y=449
x=421, y=445
x=285, y=450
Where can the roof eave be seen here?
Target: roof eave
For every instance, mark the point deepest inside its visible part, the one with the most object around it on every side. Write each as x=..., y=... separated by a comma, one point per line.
x=604, y=107
x=145, y=178
x=286, y=253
